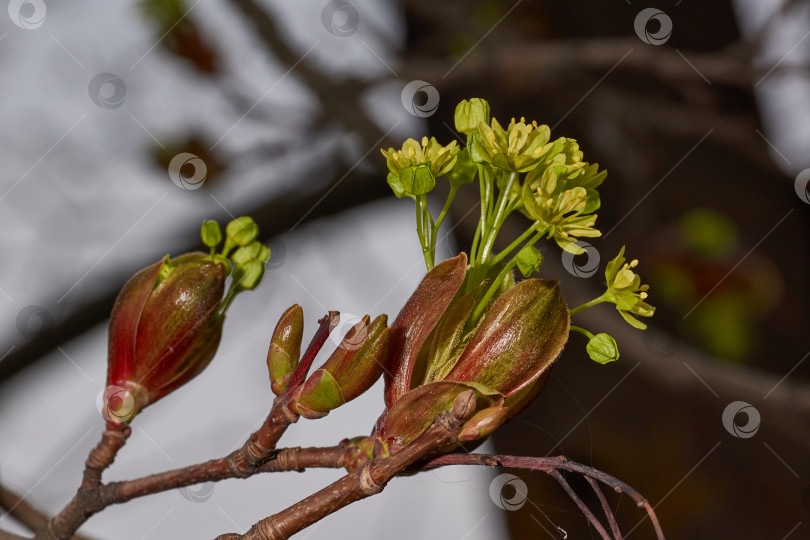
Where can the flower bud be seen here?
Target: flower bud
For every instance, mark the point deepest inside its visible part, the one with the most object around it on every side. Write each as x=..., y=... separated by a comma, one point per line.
x=165, y=326
x=433, y=358
x=285, y=348
x=352, y=369
x=469, y=114
x=416, y=320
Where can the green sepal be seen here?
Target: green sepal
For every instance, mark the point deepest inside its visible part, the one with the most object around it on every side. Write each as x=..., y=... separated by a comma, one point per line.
x=417, y=180
x=528, y=260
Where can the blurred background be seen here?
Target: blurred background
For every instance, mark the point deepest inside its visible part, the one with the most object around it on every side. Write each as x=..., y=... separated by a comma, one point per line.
x=127, y=124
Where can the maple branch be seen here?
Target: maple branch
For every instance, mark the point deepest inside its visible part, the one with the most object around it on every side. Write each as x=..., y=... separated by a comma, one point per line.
x=365, y=481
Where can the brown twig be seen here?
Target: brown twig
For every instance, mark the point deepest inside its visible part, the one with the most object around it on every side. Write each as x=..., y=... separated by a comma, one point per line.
x=368, y=480
x=258, y=450
x=260, y=446
x=18, y=508
x=614, y=526
x=548, y=465
x=287, y=459
x=582, y=506
x=86, y=502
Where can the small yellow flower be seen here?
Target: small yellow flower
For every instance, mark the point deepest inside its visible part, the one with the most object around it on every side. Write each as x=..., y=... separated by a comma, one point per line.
x=519, y=148
x=626, y=291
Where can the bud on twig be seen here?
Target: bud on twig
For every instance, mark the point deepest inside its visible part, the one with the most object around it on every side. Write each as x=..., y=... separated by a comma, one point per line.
x=285, y=348
x=352, y=369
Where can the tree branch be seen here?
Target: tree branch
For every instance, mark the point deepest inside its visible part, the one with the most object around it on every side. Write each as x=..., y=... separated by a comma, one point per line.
x=16, y=507
x=368, y=480
x=551, y=466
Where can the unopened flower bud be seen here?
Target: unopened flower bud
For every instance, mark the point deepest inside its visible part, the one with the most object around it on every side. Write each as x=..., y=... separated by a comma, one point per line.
x=469, y=114
x=285, y=348
x=165, y=327
x=352, y=369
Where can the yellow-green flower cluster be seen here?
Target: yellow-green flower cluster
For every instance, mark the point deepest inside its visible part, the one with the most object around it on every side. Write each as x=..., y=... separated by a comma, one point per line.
x=414, y=168
x=518, y=148
x=626, y=291
x=562, y=197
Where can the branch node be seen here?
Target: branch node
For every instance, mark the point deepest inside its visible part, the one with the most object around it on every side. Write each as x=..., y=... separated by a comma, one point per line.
x=366, y=481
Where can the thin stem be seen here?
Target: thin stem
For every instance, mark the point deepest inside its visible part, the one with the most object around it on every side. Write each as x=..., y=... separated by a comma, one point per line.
x=582, y=506
x=546, y=465
x=586, y=305
x=581, y=331
x=514, y=245
x=434, y=233
x=482, y=305
x=500, y=216
x=614, y=526
x=494, y=286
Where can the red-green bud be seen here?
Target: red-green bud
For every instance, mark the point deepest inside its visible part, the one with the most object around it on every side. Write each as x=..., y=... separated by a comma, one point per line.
x=415, y=322
x=285, y=348
x=505, y=359
x=352, y=369
x=164, y=330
